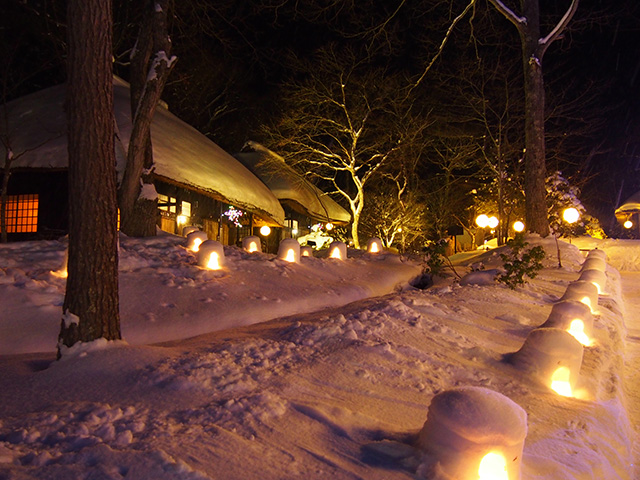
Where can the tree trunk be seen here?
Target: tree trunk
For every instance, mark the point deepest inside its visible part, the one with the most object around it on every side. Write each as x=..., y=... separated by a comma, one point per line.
x=4, y=197
x=91, y=308
x=138, y=215
x=534, y=157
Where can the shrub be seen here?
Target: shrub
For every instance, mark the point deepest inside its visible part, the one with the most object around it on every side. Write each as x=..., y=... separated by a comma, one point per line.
x=520, y=263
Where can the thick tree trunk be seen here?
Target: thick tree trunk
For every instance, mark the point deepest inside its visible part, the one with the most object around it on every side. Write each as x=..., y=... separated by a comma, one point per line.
x=534, y=157
x=91, y=308
x=4, y=197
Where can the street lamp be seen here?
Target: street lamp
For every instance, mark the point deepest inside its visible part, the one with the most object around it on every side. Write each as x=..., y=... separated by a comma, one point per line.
x=518, y=226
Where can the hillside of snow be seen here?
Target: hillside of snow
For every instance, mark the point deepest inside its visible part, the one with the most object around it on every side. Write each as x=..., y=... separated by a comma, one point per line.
x=323, y=369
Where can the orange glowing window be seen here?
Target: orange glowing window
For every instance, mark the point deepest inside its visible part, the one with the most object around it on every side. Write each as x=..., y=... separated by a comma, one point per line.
x=22, y=213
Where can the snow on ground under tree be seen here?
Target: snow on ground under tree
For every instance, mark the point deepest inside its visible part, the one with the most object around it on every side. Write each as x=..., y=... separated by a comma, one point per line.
x=271, y=370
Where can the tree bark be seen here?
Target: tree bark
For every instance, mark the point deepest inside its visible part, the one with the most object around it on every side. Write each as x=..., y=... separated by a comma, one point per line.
x=149, y=73
x=91, y=307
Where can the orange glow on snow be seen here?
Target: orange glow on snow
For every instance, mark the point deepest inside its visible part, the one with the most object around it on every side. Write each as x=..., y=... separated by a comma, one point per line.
x=62, y=273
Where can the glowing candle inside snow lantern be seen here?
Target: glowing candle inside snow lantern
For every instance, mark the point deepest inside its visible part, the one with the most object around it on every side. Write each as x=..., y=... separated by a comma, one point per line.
x=473, y=433
x=493, y=466
x=211, y=255
x=544, y=351
x=194, y=239
x=560, y=382
x=252, y=244
x=597, y=277
x=289, y=250
x=338, y=250
x=573, y=316
x=374, y=245
x=306, y=251
x=582, y=291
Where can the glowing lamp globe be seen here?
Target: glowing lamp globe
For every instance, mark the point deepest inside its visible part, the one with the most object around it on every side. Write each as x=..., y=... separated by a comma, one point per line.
x=474, y=433
x=289, y=250
x=544, y=352
x=374, y=245
x=181, y=219
x=518, y=226
x=338, y=250
x=265, y=230
x=570, y=215
x=628, y=224
x=482, y=221
x=493, y=222
x=211, y=255
x=251, y=244
x=329, y=226
x=194, y=239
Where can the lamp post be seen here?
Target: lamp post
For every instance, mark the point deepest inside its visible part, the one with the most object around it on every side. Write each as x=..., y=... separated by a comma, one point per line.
x=484, y=221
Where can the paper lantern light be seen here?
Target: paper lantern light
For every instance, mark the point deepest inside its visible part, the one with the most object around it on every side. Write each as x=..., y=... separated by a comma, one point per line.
x=187, y=230
x=573, y=316
x=594, y=263
x=597, y=277
x=374, y=245
x=252, y=244
x=473, y=433
x=338, y=250
x=289, y=250
x=552, y=356
x=211, y=255
x=194, y=239
x=306, y=251
x=582, y=291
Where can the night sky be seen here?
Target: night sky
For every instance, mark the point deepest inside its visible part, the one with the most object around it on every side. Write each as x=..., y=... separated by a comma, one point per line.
x=234, y=55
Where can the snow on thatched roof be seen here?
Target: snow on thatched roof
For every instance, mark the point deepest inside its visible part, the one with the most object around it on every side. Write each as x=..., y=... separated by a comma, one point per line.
x=182, y=155
x=289, y=186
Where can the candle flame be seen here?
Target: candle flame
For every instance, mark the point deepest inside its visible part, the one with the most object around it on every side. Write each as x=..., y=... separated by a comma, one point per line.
x=214, y=261
x=253, y=247
x=374, y=248
x=290, y=256
x=335, y=253
x=196, y=244
x=493, y=466
x=577, y=330
x=560, y=382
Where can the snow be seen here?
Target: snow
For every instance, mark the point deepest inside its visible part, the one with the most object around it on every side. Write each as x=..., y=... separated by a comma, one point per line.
x=317, y=369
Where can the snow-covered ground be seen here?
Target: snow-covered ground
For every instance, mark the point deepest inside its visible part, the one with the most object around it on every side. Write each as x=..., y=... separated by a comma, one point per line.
x=322, y=369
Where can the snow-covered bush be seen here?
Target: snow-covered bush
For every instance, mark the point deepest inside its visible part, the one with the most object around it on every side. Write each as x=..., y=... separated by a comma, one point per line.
x=520, y=263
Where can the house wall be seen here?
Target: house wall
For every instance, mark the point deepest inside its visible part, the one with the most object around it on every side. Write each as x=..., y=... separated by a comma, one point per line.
x=53, y=204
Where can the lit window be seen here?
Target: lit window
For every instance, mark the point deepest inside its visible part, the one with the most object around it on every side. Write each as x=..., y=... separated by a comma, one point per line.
x=22, y=213
x=185, y=209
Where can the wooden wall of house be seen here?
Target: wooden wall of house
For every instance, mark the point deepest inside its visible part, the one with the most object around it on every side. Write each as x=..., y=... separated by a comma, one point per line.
x=53, y=203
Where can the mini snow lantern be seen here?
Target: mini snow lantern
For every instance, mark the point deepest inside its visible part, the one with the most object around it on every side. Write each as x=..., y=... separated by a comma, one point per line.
x=188, y=229
x=473, y=433
x=252, y=244
x=289, y=250
x=374, y=245
x=553, y=356
x=594, y=263
x=597, y=277
x=306, y=251
x=338, y=250
x=211, y=255
x=573, y=316
x=597, y=253
x=194, y=239
x=582, y=291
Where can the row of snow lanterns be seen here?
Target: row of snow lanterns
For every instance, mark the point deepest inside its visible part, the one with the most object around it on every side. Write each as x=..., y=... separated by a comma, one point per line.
x=474, y=433
x=553, y=352
x=211, y=253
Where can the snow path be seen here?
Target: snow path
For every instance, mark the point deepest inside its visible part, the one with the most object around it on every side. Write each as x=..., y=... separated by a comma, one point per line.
x=631, y=295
